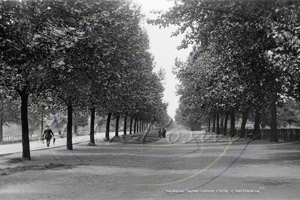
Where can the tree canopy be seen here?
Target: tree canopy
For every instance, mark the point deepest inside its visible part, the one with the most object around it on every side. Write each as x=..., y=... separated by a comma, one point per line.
x=64, y=54
x=247, y=56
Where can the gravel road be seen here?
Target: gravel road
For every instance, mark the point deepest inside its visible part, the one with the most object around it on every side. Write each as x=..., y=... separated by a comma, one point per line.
x=203, y=168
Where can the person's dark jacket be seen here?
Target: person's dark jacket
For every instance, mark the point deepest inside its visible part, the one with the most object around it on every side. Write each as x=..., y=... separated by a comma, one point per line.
x=48, y=133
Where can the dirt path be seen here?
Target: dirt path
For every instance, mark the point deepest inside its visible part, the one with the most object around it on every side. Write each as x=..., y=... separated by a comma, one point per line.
x=155, y=170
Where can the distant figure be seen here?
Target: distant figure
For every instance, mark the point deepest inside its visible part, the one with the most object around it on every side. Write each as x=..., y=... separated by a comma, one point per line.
x=48, y=135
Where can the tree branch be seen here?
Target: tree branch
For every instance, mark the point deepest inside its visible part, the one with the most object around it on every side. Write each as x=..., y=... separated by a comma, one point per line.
x=64, y=100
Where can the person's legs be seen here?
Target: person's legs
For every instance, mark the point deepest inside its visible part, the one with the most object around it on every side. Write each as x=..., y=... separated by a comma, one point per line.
x=48, y=140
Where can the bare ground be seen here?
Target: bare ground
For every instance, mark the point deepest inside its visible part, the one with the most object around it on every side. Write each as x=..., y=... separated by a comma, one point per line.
x=130, y=170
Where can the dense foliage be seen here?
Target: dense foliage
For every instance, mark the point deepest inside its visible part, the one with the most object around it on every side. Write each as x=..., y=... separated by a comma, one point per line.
x=245, y=59
x=80, y=56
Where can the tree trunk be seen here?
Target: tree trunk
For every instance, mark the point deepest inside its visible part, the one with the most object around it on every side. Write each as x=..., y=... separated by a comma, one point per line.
x=117, y=125
x=69, y=127
x=92, y=131
x=125, y=124
x=130, y=128
x=214, y=123
x=25, y=129
x=273, y=136
x=244, y=121
x=1, y=121
x=107, y=126
x=257, y=122
x=137, y=126
x=225, y=123
x=134, y=127
x=232, y=119
x=42, y=122
x=218, y=124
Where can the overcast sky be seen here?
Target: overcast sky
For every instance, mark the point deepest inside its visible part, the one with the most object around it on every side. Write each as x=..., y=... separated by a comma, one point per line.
x=163, y=47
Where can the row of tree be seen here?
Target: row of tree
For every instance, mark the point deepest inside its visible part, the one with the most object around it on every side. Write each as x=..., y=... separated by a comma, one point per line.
x=246, y=59
x=83, y=55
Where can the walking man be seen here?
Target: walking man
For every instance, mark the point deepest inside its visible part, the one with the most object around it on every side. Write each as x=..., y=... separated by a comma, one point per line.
x=48, y=135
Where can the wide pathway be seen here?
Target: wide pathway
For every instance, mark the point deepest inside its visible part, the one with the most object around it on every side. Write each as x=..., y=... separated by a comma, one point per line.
x=172, y=137
x=38, y=144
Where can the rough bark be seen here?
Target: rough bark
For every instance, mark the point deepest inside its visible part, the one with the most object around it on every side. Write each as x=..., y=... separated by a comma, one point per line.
x=130, y=129
x=125, y=124
x=25, y=128
x=117, y=125
x=218, y=123
x=1, y=121
x=107, y=126
x=69, y=127
x=134, y=126
x=92, y=130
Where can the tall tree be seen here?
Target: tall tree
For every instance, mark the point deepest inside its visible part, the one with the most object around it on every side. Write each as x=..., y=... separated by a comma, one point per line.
x=28, y=31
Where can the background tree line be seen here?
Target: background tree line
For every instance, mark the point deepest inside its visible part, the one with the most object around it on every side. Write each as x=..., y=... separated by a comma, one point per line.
x=245, y=61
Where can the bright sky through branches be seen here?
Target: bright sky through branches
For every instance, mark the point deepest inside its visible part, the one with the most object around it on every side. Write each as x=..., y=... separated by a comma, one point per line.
x=163, y=47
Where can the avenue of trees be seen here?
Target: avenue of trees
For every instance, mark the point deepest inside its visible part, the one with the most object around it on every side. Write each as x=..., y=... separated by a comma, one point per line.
x=245, y=61
x=81, y=56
